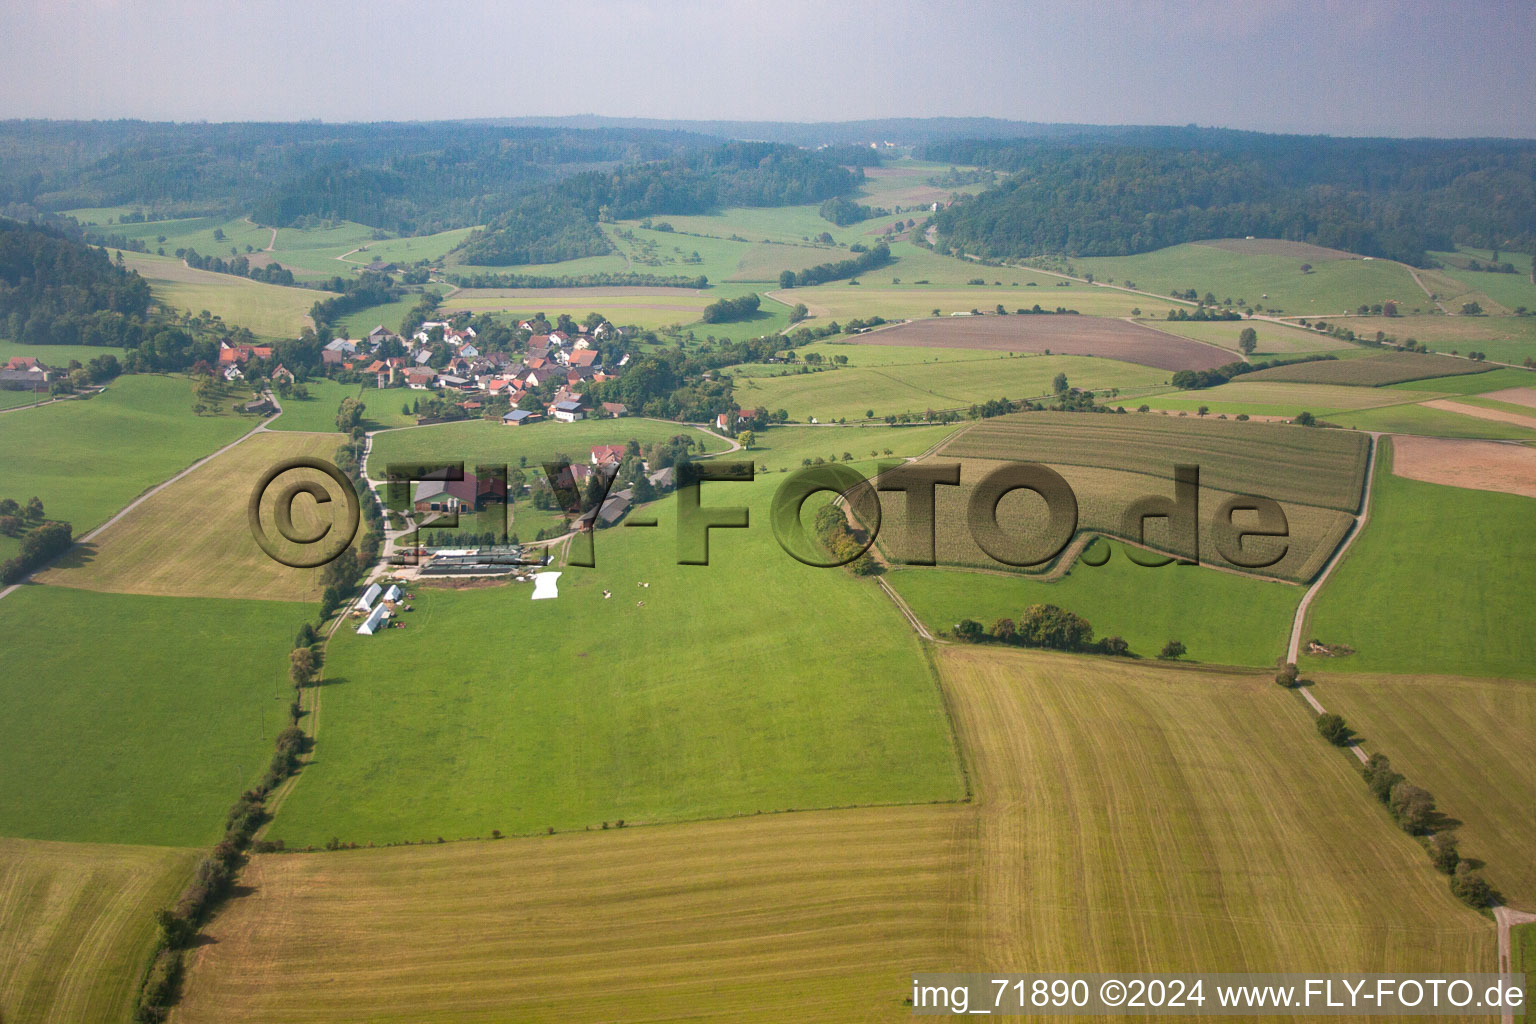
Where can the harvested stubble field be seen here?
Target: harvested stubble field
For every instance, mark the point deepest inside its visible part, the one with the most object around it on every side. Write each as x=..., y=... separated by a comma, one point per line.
x=1479, y=465
x=76, y=925
x=824, y=915
x=1467, y=741
x=1061, y=334
x=192, y=539
x=1371, y=372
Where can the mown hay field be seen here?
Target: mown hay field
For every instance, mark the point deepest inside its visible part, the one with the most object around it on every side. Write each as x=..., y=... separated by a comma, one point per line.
x=77, y=925
x=193, y=538
x=1467, y=741
x=1239, y=842
x=271, y=311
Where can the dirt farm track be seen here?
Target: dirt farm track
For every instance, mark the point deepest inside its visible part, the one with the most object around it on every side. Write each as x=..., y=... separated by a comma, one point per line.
x=1058, y=334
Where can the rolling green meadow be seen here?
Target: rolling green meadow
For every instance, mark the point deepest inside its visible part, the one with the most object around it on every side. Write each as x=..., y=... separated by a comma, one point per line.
x=890, y=387
x=1455, y=564
x=148, y=728
x=1420, y=419
x=87, y=459
x=318, y=411
x=270, y=311
x=1333, y=286
x=1222, y=618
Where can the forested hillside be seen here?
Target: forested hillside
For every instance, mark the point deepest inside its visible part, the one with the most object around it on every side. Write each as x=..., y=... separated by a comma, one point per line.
x=54, y=289
x=558, y=222
x=1381, y=197
x=398, y=177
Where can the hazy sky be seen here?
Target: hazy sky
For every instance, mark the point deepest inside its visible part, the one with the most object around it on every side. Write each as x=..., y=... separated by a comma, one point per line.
x=1351, y=67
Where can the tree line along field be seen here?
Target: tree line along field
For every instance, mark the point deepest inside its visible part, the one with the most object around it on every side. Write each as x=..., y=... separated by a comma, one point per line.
x=148, y=730
x=1110, y=461
x=87, y=459
x=1238, y=816
x=1432, y=584
x=1467, y=741
x=192, y=538
x=653, y=709
x=890, y=388
x=76, y=924
x=1221, y=617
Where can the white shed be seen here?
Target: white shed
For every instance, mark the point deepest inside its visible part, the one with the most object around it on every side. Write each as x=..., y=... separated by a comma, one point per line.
x=370, y=595
x=393, y=594
x=375, y=621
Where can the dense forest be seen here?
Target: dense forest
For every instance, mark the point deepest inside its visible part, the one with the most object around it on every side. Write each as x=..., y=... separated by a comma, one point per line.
x=1159, y=187
x=399, y=177
x=558, y=222
x=56, y=290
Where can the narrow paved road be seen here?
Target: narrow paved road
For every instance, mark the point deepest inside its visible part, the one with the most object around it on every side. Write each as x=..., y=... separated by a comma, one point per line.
x=1508, y=918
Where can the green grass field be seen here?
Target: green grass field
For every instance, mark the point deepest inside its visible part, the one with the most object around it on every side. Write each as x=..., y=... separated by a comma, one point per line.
x=55, y=355
x=87, y=459
x=1523, y=961
x=876, y=295
x=1276, y=398
x=1371, y=371
x=925, y=383
x=1419, y=419
x=1471, y=384
x=1505, y=339
x=132, y=719
x=1432, y=585
x=1223, y=618
x=390, y=315
x=270, y=311
x=655, y=711
x=77, y=925
x=1334, y=285
x=318, y=411
x=1467, y=741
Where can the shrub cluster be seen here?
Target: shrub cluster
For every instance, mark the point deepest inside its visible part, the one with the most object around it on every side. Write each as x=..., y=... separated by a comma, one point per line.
x=40, y=545
x=1042, y=626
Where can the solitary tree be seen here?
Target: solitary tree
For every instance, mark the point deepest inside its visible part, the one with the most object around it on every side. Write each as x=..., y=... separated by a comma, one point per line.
x=1172, y=650
x=301, y=665
x=1248, y=340
x=1331, y=727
